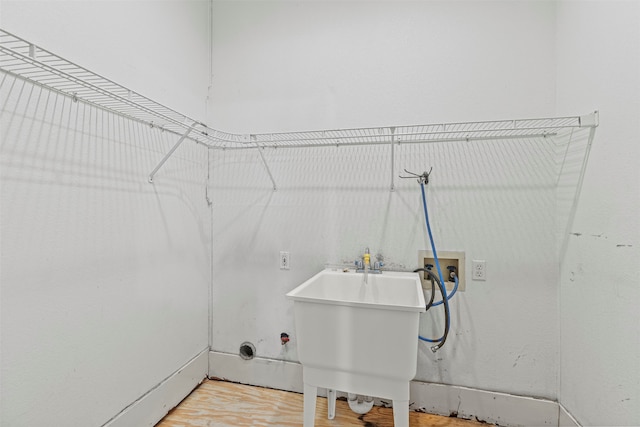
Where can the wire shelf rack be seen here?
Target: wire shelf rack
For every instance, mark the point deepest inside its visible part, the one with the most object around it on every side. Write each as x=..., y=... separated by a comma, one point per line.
x=413, y=134
x=27, y=61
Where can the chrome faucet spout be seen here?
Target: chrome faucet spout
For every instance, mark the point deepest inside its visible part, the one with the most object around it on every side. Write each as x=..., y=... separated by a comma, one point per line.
x=366, y=272
x=365, y=265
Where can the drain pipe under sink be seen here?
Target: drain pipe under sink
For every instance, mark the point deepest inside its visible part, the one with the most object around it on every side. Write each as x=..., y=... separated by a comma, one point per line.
x=360, y=404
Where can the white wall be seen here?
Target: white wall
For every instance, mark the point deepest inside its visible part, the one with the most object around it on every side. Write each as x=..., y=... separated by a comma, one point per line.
x=288, y=66
x=282, y=65
x=599, y=67
x=104, y=277
x=101, y=270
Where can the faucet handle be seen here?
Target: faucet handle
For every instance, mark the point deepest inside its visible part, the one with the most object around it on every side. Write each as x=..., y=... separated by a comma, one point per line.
x=359, y=264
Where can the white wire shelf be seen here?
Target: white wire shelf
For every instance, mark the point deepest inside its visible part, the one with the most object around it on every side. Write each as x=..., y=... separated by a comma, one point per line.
x=26, y=61
x=413, y=134
x=37, y=65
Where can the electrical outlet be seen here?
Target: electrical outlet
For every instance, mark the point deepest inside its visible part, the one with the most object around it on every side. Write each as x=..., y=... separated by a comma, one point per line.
x=284, y=260
x=479, y=268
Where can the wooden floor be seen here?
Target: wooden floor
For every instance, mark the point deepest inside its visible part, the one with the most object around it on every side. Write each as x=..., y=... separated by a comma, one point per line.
x=219, y=403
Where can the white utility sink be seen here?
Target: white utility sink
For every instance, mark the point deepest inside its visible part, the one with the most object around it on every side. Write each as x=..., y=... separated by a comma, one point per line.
x=359, y=338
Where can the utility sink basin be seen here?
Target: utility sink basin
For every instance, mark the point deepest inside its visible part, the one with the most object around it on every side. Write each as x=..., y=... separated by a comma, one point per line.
x=358, y=337
x=388, y=290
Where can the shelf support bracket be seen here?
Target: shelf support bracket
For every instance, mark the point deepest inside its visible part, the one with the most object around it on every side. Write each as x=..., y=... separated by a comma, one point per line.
x=170, y=153
x=393, y=178
x=576, y=196
x=266, y=165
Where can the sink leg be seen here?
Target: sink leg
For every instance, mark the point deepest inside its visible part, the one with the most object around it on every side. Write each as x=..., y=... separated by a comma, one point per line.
x=331, y=403
x=310, y=393
x=400, y=413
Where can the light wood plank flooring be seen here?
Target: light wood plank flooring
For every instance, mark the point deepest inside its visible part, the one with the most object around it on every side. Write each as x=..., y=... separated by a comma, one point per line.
x=221, y=404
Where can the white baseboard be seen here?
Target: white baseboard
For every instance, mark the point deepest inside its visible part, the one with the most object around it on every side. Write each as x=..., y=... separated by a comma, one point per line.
x=157, y=402
x=491, y=407
x=270, y=373
x=566, y=419
x=488, y=406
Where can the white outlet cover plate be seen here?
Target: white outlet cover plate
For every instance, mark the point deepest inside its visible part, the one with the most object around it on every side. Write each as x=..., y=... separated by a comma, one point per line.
x=479, y=269
x=285, y=261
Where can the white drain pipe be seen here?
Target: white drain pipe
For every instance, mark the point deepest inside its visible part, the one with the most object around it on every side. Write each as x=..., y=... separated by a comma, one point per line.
x=360, y=404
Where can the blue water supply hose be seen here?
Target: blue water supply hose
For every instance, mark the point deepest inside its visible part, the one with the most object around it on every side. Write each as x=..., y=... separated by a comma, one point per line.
x=441, y=282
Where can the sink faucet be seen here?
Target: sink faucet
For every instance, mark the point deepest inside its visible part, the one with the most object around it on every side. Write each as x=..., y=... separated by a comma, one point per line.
x=363, y=265
x=366, y=260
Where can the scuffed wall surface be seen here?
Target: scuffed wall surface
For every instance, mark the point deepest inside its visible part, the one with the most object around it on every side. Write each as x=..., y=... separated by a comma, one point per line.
x=331, y=203
x=599, y=68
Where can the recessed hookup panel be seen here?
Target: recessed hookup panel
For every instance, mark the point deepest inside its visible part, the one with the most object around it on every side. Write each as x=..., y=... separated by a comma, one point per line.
x=447, y=259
